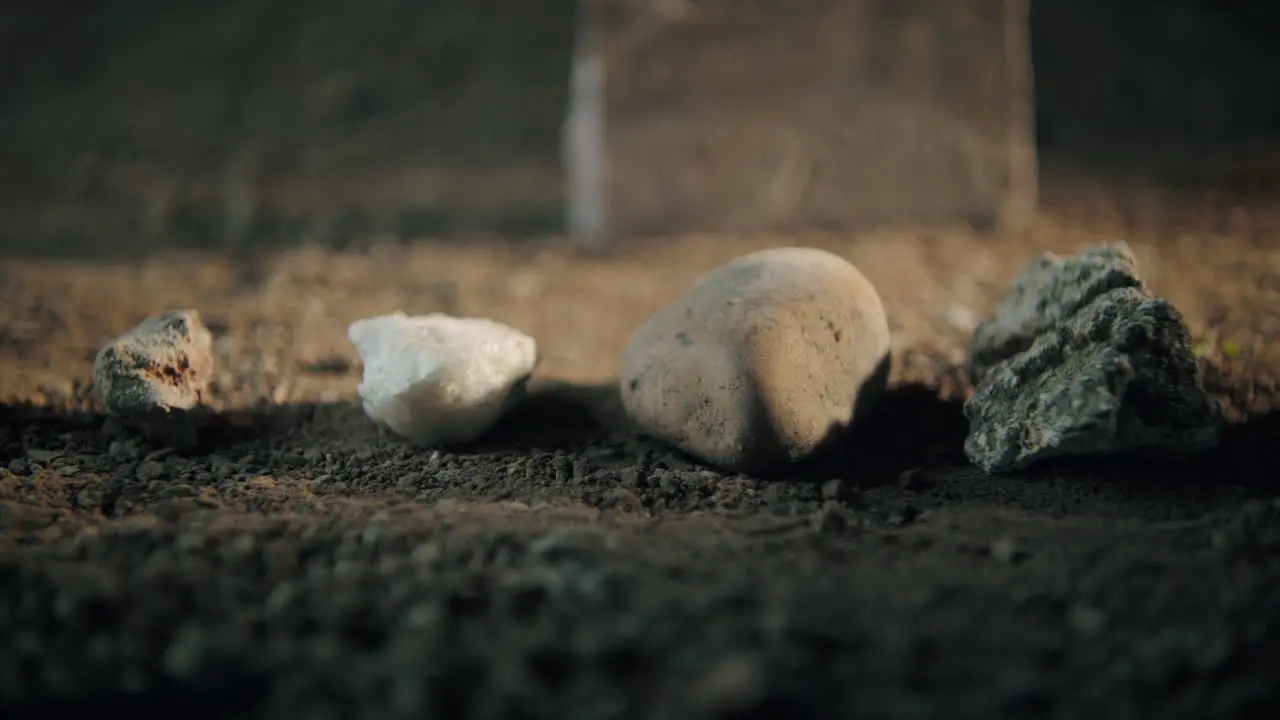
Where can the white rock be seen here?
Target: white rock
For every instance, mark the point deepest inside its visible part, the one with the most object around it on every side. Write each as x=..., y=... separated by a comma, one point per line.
x=164, y=364
x=437, y=379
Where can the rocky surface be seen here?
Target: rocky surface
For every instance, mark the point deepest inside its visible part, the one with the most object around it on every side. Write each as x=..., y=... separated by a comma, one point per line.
x=154, y=375
x=437, y=379
x=1050, y=290
x=765, y=361
x=564, y=567
x=1080, y=360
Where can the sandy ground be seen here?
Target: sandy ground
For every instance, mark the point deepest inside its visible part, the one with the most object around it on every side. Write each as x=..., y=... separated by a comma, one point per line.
x=308, y=566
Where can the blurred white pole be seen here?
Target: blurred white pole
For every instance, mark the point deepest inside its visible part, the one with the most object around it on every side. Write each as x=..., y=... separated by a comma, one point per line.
x=585, y=152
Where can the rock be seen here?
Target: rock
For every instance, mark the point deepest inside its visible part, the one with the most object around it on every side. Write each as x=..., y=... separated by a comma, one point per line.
x=764, y=361
x=1048, y=291
x=1086, y=620
x=151, y=470
x=733, y=686
x=1115, y=375
x=153, y=377
x=1006, y=551
x=440, y=380
x=830, y=520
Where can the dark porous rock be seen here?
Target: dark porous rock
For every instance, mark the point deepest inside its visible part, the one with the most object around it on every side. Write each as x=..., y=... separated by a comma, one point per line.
x=1050, y=290
x=153, y=377
x=1116, y=378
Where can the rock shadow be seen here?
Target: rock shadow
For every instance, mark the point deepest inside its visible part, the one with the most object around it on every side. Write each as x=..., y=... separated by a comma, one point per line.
x=224, y=694
x=910, y=427
x=22, y=424
x=552, y=416
x=1244, y=458
x=557, y=415
x=1248, y=448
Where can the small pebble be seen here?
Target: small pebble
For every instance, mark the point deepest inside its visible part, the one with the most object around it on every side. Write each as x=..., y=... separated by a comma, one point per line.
x=627, y=501
x=151, y=470
x=1006, y=550
x=731, y=687
x=834, y=490
x=1087, y=620
x=830, y=520
x=913, y=479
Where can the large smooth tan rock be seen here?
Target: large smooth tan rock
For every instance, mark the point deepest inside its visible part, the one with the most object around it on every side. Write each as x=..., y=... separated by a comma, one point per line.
x=762, y=362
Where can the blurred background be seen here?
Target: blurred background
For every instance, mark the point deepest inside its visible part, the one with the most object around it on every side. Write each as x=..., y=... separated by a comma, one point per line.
x=239, y=125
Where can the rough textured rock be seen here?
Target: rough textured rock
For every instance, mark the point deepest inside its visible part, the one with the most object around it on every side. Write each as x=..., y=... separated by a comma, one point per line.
x=764, y=361
x=437, y=379
x=154, y=375
x=1048, y=291
x=1082, y=361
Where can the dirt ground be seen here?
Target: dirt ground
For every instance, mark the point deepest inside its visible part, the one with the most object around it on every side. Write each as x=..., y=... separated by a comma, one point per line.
x=305, y=565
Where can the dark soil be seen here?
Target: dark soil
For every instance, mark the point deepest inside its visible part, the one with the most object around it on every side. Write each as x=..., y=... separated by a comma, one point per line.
x=305, y=565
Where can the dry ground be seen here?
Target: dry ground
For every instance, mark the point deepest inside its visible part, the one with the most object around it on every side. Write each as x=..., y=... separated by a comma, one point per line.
x=308, y=566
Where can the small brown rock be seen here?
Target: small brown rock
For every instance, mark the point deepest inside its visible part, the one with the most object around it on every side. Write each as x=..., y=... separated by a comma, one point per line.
x=154, y=374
